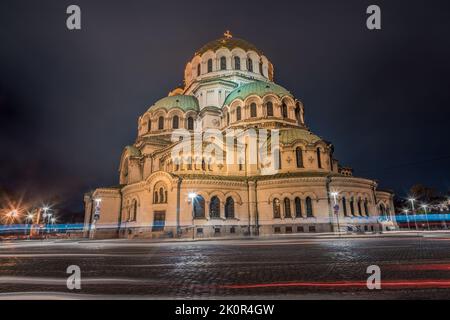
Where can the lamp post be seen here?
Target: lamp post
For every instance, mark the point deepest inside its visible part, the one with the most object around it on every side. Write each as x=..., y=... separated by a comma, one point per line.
x=407, y=219
x=192, y=196
x=425, y=207
x=28, y=220
x=336, y=210
x=412, y=200
x=96, y=217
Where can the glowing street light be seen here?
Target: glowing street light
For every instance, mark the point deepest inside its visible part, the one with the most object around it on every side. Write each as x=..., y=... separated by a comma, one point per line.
x=335, y=195
x=412, y=200
x=406, y=211
x=192, y=196
x=425, y=207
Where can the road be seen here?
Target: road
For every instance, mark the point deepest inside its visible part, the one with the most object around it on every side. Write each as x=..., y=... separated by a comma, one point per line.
x=294, y=268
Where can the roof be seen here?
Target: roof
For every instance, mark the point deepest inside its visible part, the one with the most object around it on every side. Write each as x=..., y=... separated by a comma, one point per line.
x=259, y=88
x=183, y=102
x=133, y=151
x=291, y=135
x=229, y=43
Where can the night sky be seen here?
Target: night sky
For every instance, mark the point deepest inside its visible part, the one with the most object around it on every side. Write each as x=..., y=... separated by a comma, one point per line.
x=70, y=100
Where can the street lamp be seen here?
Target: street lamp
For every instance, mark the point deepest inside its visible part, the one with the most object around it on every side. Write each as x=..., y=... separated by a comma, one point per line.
x=407, y=219
x=412, y=200
x=335, y=195
x=28, y=220
x=192, y=196
x=425, y=207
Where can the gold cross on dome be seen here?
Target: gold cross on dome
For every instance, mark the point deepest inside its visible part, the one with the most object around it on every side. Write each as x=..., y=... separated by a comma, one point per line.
x=228, y=34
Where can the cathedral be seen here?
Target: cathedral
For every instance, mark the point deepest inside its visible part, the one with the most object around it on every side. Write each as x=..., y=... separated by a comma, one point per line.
x=196, y=169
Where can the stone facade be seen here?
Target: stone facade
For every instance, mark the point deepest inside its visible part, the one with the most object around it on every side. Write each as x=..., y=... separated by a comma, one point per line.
x=170, y=189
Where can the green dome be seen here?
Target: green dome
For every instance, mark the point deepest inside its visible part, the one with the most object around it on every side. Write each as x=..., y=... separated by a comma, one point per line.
x=259, y=88
x=183, y=102
x=292, y=135
x=229, y=43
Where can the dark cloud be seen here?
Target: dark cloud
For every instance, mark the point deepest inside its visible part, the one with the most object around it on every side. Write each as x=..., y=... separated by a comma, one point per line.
x=69, y=101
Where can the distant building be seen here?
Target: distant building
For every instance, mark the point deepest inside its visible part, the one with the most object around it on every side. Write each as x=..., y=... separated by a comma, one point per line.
x=228, y=84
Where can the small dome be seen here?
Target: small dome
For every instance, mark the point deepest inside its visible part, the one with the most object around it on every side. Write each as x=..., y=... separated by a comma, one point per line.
x=259, y=88
x=230, y=43
x=183, y=102
x=292, y=135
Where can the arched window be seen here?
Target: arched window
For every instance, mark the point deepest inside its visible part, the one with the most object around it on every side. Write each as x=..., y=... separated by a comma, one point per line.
x=199, y=70
x=359, y=207
x=214, y=207
x=299, y=157
x=210, y=69
x=287, y=208
x=149, y=125
x=309, y=208
x=155, y=197
x=203, y=165
x=175, y=122
x=276, y=209
x=261, y=68
x=228, y=118
x=223, y=63
x=134, y=217
x=190, y=123
x=161, y=123
x=253, y=110
x=366, y=208
x=284, y=110
x=250, y=64
x=352, y=206
x=237, y=63
x=269, y=107
x=298, y=208
x=161, y=196
x=229, y=208
x=199, y=207
x=344, y=206
x=238, y=113
x=319, y=160
x=297, y=115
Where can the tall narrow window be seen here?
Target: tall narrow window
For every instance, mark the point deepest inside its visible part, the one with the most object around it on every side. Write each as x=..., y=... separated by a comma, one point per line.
x=161, y=196
x=319, y=160
x=199, y=70
x=284, y=110
x=134, y=217
x=155, y=197
x=269, y=110
x=279, y=159
x=359, y=207
x=228, y=118
x=299, y=157
x=175, y=122
x=161, y=123
x=210, y=66
x=352, y=206
x=237, y=63
x=238, y=113
x=366, y=208
x=203, y=165
x=253, y=110
x=287, y=208
x=298, y=208
x=344, y=206
x=190, y=123
x=250, y=64
x=261, y=68
x=199, y=207
x=297, y=115
x=309, y=208
x=276, y=209
x=229, y=208
x=214, y=207
x=223, y=63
